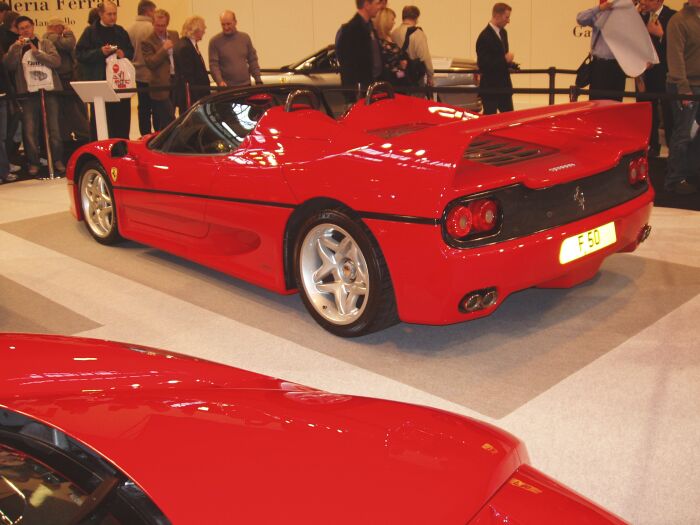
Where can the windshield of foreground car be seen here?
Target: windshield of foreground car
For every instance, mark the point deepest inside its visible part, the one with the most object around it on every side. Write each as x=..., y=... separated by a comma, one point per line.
x=31, y=492
x=48, y=478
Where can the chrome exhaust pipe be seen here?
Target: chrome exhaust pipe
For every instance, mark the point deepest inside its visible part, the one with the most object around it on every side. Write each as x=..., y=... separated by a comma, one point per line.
x=490, y=298
x=479, y=300
x=472, y=302
x=644, y=234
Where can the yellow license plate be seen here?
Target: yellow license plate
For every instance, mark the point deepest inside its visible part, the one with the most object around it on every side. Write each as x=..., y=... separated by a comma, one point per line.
x=587, y=242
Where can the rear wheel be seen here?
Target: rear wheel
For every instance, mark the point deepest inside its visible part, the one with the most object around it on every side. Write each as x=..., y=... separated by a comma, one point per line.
x=342, y=275
x=97, y=203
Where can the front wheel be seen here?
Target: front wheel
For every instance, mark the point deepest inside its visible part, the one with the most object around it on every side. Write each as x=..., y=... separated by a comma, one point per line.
x=97, y=203
x=342, y=275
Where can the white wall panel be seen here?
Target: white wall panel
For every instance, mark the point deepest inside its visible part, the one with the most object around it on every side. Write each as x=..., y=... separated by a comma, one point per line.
x=328, y=15
x=284, y=31
x=446, y=24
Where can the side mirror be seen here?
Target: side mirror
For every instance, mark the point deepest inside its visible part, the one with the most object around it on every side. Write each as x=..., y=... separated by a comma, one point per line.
x=119, y=149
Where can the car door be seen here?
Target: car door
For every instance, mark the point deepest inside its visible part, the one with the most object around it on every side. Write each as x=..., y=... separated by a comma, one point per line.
x=253, y=201
x=177, y=175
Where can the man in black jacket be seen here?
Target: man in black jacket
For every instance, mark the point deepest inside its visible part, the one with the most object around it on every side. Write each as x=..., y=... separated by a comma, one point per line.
x=97, y=42
x=495, y=60
x=656, y=16
x=358, y=46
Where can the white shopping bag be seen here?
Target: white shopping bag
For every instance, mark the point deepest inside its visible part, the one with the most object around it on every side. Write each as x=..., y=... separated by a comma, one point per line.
x=120, y=74
x=37, y=75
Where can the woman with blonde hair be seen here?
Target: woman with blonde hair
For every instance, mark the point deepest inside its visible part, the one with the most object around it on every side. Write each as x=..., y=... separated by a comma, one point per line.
x=394, y=60
x=191, y=77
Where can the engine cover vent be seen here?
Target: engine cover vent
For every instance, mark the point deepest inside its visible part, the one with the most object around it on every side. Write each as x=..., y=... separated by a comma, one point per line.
x=498, y=151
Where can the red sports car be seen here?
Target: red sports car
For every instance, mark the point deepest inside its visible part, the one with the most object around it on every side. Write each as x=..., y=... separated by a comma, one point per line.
x=99, y=432
x=400, y=209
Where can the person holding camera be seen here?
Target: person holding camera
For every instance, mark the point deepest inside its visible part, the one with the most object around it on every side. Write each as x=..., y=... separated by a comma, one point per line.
x=98, y=41
x=34, y=66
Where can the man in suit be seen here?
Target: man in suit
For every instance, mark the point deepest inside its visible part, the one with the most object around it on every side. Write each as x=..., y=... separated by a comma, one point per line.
x=189, y=64
x=157, y=51
x=495, y=60
x=656, y=16
x=358, y=46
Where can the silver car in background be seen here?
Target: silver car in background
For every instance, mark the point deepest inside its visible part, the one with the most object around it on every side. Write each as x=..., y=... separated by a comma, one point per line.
x=322, y=69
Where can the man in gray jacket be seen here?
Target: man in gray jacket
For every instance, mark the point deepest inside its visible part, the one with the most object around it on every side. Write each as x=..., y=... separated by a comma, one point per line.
x=232, y=57
x=683, y=55
x=26, y=52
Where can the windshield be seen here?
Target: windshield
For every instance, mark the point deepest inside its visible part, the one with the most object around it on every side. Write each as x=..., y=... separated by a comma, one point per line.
x=48, y=478
x=323, y=53
x=32, y=493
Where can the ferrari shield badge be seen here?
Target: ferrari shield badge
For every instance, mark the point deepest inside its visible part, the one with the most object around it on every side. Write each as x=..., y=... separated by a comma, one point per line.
x=114, y=173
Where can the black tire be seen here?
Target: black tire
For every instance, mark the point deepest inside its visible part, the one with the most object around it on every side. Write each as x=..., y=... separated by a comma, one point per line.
x=363, y=268
x=98, y=204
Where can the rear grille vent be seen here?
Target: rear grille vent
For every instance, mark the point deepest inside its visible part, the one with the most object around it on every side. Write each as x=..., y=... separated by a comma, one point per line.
x=496, y=151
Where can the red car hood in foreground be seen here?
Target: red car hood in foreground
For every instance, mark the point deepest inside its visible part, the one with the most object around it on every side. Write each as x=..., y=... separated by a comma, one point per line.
x=206, y=441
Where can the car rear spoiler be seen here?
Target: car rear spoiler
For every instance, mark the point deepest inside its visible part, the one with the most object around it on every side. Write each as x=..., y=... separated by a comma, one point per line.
x=610, y=128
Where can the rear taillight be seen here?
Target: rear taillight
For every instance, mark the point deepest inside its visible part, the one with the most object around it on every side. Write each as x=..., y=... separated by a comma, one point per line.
x=485, y=215
x=472, y=218
x=460, y=221
x=638, y=171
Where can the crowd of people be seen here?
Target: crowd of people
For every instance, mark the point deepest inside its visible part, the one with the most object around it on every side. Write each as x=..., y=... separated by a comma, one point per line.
x=370, y=47
x=171, y=73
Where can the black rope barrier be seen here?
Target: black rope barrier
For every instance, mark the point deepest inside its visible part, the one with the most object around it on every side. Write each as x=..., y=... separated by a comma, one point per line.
x=573, y=92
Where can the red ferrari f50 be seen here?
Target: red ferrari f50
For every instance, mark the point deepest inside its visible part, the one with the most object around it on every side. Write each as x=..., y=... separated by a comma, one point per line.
x=401, y=209
x=93, y=432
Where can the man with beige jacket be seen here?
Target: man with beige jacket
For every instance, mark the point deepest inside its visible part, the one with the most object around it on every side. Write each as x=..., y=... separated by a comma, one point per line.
x=157, y=52
x=417, y=43
x=138, y=32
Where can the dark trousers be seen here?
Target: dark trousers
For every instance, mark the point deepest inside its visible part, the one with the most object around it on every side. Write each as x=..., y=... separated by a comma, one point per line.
x=118, y=119
x=684, y=150
x=145, y=109
x=495, y=103
x=655, y=82
x=4, y=161
x=73, y=116
x=607, y=75
x=163, y=113
x=32, y=126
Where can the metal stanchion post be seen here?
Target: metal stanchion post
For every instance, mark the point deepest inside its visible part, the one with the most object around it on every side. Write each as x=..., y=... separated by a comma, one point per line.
x=552, y=72
x=47, y=138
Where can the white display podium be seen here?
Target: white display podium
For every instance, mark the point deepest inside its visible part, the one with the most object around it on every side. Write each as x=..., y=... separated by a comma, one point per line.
x=97, y=92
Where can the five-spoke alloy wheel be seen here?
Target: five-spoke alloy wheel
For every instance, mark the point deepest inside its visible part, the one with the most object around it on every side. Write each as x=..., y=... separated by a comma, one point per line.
x=97, y=202
x=342, y=275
